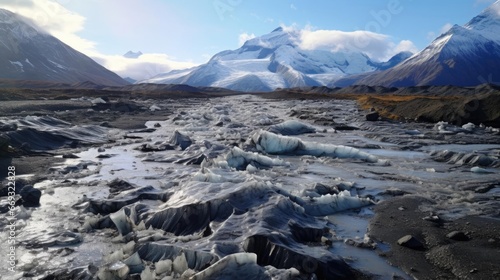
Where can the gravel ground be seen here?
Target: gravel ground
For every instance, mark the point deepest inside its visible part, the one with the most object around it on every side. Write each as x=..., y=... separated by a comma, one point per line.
x=441, y=257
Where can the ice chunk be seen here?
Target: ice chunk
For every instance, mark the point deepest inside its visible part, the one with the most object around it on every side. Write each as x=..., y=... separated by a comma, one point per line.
x=205, y=175
x=148, y=274
x=23, y=213
x=469, y=126
x=239, y=159
x=116, y=270
x=291, y=127
x=154, y=108
x=282, y=274
x=164, y=266
x=119, y=269
x=446, y=128
x=122, y=222
x=155, y=252
x=180, y=264
x=477, y=169
x=181, y=140
x=233, y=267
x=98, y=101
x=115, y=256
x=328, y=204
x=276, y=144
x=251, y=169
x=134, y=263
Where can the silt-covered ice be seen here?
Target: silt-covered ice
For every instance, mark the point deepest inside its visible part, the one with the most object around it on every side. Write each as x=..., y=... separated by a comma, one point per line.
x=284, y=145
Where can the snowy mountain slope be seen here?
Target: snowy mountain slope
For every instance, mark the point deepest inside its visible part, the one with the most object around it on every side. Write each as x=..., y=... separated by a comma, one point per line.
x=273, y=61
x=464, y=56
x=27, y=53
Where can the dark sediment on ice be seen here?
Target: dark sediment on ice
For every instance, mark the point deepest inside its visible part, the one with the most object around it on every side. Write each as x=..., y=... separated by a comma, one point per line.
x=208, y=228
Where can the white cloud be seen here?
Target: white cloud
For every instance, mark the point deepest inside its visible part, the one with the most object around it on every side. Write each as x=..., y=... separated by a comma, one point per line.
x=144, y=67
x=53, y=18
x=377, y=46
x=404, y=46
x=245, y=37
x=433, y=35
x=445, y=28
x=293, y=7
x=64, y=24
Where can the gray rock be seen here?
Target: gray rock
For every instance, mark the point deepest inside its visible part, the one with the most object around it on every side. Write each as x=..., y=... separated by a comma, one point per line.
x=70, y=155
x=458, y=236
x=410, y=242
x=30, y=196
x=372, y=117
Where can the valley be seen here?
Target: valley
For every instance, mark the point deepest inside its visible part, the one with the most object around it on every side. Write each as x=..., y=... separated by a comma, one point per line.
x=187, y=187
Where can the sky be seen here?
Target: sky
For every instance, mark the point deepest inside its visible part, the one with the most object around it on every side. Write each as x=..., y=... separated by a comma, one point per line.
x=175, y=34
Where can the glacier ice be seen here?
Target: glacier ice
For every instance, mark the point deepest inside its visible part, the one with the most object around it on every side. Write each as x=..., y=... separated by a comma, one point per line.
x=291, y=127
x=239, y=159
x=480, y=170
x=148, y=274
x=119, y=269
x=233, y=267
x=277, y=144
x=332, y=203
x=134, y=263
x=180, y=264
x=163, y=267
x=181, y=140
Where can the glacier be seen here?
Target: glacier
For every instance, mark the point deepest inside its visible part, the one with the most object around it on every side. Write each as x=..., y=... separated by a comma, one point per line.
x=259, y=190
x=274, y=60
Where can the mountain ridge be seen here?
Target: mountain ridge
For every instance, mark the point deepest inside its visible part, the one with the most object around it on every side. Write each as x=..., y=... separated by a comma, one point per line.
x=274, y=60
x=463, y=56
x=29, y=53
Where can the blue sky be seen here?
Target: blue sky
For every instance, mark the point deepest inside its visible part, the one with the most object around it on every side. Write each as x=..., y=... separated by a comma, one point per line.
x=191, y=30
x=186, y=33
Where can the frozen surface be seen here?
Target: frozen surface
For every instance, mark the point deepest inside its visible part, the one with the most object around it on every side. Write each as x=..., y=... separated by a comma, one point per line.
x=217, y=190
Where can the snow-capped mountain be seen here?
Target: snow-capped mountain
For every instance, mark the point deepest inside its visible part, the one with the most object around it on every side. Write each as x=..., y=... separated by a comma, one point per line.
x=131, y=54
x=272, y=61
x=466, y=55
x=28, y=53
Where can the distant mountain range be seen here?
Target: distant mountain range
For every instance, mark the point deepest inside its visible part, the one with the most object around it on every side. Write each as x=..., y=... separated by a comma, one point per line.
x=466, y=55
x=26, y=53
x=274, y=61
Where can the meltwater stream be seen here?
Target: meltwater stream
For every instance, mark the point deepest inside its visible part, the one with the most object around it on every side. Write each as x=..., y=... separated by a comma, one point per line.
x=241, y=185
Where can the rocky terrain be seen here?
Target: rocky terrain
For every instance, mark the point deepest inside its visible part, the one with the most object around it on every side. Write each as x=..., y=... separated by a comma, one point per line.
x=274, y=186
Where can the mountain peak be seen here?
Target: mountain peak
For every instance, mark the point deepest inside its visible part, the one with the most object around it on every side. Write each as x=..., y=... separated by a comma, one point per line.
x=463, y=56
x=493, y=9
x=131, y=54
x=29, y=53
x=279, y=29
x=19, y=27
x=487, y=23
x=275, y=60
